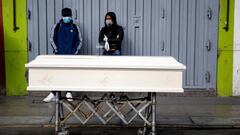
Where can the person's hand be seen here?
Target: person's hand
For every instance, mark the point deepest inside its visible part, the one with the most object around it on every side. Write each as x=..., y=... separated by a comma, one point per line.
x=105, y=38
x=55, y=51
x=107, y=48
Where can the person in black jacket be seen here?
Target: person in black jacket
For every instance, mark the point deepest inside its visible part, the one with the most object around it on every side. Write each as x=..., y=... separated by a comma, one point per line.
x=111, y=35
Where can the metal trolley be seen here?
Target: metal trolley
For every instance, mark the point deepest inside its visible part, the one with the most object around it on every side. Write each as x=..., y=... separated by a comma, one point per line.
x=144, y=107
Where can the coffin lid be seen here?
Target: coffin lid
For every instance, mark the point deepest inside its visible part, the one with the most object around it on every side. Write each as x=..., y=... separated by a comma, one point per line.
x=87, y=61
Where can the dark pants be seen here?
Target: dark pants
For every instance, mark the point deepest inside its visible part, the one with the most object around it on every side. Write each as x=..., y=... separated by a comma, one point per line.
x=112, y=53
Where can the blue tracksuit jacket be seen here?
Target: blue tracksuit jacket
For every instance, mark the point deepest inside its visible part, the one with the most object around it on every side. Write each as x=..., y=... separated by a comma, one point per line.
x=66, y=38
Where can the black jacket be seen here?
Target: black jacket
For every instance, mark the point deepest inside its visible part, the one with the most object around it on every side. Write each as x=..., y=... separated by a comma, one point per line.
x=114, y=33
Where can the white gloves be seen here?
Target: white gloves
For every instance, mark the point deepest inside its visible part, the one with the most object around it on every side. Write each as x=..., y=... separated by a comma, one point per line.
x=106, y=43
x=105, y=38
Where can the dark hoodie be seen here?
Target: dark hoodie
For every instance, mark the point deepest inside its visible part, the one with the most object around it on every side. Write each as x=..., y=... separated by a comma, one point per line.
x=114, y=33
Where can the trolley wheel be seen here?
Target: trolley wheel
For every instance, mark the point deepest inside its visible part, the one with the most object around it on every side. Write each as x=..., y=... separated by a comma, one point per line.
x=63, y=133
x=151, y=133
x=140, y=131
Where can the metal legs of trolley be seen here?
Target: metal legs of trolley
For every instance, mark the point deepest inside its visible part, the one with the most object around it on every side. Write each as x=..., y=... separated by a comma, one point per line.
x=144, y=107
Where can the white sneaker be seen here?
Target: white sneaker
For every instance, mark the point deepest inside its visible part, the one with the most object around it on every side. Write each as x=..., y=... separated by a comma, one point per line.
x=69, y=96
x=49, y=98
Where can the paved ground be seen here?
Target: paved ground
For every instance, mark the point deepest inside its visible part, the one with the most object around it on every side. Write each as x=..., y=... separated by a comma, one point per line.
x=178, y=115
x=117, y=131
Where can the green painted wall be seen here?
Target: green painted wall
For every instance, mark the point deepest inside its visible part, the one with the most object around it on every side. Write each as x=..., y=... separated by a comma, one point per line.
x=225, y=50
x=15, y=44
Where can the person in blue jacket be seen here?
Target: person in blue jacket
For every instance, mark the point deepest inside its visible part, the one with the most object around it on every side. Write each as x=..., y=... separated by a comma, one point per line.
x=65, y=39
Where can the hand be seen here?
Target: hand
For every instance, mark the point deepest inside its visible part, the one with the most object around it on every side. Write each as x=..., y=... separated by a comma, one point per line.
x=55, y=51
x=105, y=38
x=76, y=53
x=107, y=48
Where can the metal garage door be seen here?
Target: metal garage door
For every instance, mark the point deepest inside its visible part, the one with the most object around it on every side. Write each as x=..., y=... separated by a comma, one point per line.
x=185, y=29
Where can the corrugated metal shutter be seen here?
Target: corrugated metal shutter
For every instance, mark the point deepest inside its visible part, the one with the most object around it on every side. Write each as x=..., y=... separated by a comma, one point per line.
x=185, y=29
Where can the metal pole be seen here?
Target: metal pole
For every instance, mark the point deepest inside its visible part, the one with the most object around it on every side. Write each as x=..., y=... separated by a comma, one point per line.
x=57, y=113
x=153, y=113
x=145, y=124
x=226, y=27
x=61, y=112
x=15, y=28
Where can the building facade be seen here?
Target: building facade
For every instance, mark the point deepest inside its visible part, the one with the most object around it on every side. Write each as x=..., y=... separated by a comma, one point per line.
x=198, y=33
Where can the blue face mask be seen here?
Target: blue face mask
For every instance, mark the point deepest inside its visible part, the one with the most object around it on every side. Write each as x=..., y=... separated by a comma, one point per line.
x=67, y=19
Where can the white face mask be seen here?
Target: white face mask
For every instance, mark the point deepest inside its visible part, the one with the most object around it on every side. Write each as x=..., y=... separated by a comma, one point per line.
x=109, y=22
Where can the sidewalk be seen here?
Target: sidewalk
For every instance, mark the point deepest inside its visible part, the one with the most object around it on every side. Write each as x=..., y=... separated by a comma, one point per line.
x=172, y=112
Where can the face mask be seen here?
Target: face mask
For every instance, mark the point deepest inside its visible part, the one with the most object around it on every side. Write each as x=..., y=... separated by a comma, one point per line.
x=109, y=22
x=67, y=19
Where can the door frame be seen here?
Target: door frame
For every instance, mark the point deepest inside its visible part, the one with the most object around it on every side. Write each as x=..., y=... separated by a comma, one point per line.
x=2, y=57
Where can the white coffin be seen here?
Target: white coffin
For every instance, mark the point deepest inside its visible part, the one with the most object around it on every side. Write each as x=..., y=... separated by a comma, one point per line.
x=105, y=73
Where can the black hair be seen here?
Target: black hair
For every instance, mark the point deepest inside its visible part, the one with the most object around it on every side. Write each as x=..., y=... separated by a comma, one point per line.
x=66, y=12
x=113, y=16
